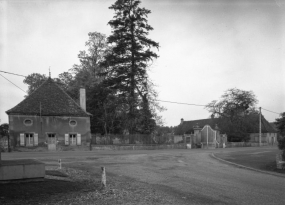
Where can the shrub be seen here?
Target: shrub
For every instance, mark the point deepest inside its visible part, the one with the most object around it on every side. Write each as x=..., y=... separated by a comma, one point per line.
x=281, y=145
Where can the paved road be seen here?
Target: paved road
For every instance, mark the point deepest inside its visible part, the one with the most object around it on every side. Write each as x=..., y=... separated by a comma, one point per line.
x=189, y=174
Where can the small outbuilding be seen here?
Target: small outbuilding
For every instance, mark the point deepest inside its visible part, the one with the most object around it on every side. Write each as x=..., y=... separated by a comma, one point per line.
x=49, y=117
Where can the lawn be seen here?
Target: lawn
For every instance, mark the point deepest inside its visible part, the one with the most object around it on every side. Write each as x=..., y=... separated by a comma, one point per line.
x=259, y=158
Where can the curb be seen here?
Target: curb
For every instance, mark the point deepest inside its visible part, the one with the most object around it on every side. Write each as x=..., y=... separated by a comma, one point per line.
x=245, y=167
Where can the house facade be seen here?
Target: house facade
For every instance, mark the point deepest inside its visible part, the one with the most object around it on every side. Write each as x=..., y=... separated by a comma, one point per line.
x=50, y=118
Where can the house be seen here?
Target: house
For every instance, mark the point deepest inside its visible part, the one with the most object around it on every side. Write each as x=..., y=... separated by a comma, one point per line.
x=49, y=117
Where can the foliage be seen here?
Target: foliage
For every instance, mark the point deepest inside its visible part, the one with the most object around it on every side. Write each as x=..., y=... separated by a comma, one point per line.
x=178, y=130
x=106, y=109
x=127, y=62
x=163, y=130
x=236, y=113
x=280, y=124
x=34, y=81
x=4, y=132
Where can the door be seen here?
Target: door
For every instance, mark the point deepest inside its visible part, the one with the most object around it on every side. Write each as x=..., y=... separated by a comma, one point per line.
x=51, y=141
x=72, y=139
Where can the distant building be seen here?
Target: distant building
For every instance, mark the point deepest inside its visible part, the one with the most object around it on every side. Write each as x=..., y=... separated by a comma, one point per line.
x=49, y=117
x=269, y=133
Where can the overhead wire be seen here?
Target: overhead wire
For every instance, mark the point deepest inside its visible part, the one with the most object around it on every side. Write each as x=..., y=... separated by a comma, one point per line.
x=12, y=73
x=181, y=103
x=270, y=111
x=14, y=84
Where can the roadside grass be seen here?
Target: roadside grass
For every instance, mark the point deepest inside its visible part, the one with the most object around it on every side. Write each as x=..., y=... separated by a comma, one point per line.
x=263, y=159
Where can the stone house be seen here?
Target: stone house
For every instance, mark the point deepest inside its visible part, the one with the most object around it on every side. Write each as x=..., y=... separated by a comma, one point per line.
x=49, y=117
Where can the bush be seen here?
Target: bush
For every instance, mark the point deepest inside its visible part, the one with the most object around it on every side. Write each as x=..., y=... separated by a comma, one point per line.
x=281, y=145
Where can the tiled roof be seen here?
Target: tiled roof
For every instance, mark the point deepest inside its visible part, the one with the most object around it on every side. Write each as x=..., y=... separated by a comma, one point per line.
x=188, y=125
x=265, y=125
x=48, y=100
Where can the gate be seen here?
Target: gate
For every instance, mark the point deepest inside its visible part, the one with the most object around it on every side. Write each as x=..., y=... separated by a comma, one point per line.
x=209, y=137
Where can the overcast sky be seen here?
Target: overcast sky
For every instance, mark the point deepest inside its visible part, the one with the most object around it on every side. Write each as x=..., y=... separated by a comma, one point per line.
x=206, y=47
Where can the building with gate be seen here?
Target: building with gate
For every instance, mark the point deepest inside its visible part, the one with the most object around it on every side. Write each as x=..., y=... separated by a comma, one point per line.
x=207, y=132
x=206, y=137
x=50, y=118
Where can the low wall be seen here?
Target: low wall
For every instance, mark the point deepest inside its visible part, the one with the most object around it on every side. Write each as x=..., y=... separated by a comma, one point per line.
x=245, y=144
x=21, y=169
x=138, y=147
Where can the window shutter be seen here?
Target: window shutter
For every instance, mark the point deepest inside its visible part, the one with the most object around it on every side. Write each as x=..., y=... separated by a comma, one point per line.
x=22, y=139
x=78, y=138
x=36, y=137
x=66, y=136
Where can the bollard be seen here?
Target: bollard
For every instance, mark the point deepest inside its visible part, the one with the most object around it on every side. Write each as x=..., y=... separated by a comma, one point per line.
x=103, y=179
x=59, y=163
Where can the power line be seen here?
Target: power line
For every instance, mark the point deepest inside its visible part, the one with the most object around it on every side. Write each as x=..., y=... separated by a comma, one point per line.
x=12, y=73
x=179, y=103
x=14, y=84
x=155, y=100
x=270, y=111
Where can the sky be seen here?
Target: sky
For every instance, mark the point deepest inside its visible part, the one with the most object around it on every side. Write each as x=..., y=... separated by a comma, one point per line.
x=206, y=48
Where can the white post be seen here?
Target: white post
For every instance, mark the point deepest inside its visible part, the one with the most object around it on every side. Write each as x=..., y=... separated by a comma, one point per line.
x=260, y=126
x=103, y=178
x=59, y=163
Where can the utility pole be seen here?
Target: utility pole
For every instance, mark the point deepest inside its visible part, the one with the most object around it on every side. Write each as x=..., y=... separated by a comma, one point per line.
x=260, y=126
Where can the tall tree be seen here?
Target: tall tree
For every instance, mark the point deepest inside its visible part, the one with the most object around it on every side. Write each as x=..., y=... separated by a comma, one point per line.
x=235, y=111
x=85, y=74
x=130, y=56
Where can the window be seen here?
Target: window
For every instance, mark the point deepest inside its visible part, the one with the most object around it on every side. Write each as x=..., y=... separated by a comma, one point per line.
x=72, y=123
x=72, y=139
x=28, y=122
x=51, y=138
x=29, y=139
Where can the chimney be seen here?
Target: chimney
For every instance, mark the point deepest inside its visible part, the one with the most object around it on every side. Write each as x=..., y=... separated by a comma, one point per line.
x=83, y=99
x=182, y=120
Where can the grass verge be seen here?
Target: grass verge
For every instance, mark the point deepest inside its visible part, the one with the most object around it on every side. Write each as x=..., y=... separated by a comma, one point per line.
x=263, y=159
